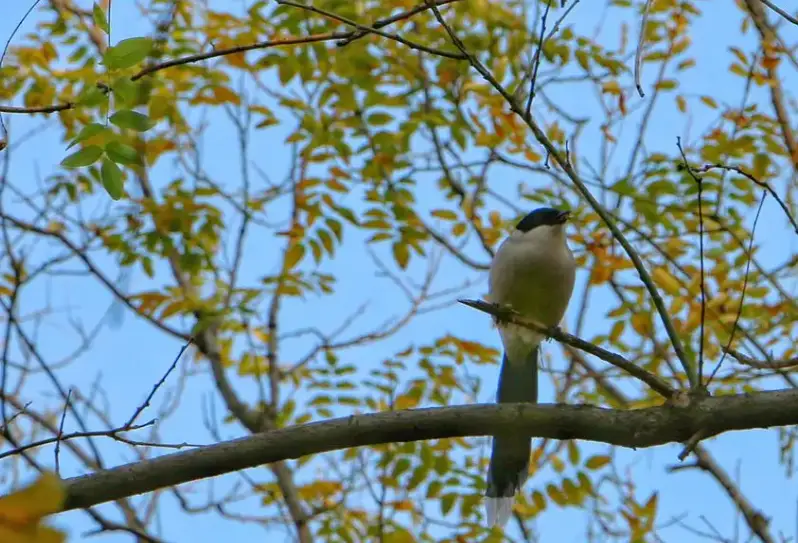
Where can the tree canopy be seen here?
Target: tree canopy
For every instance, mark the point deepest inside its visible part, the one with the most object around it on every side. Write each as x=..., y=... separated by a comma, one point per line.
x=243, y=246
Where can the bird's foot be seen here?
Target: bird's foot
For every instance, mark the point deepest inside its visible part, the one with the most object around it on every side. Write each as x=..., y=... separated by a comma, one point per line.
x=552, y=331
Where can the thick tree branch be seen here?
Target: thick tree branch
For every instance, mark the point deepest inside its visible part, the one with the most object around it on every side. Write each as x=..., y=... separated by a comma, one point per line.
x=627, y=428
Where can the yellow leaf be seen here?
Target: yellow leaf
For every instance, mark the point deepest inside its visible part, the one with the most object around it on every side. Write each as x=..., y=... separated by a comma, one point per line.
x=532, y=156
x=617, y=330
x=404, y=505
x=401, y=253
x=573, y=453
x=223, y=94
x=56, y=227
x=600, y=274
x=666, y=281
x=761, y=163
x=172, y=308
x=445, y=214
x=150, y=301
x=21, y=512
x=238, y=60
x=681, y=103
x=555, y=133
x=336, y=185
x=571, y=491
x=294, y=255
x=556, y=495
x=666, y=84
x=295, y=137
x=539, y=500
x=406, y=402
x=641, y=323
x=708, y=100
x=611, y=87
x=338, y=172
x=597, y=461
x=159, y=107
x=650, y=508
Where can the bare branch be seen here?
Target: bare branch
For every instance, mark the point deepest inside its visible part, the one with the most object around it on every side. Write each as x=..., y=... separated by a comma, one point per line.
x=615, y=359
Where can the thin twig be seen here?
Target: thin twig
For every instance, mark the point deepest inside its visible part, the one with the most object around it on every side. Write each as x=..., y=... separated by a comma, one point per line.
x=508, y=315
x=762, y=364
x=60, y=434
x=158, y=385
x=536, y=60
x=557, y=24
x=365, y=28
x=737, y=169
x=780, y=11
x=5, y=50
x=691, y=444
x=640, y=42
x=745, y=286
x=63, y=438
x=700, y=184
x=380, y=23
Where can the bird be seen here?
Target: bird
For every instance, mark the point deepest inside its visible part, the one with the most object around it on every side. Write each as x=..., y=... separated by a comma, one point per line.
x=532, y=272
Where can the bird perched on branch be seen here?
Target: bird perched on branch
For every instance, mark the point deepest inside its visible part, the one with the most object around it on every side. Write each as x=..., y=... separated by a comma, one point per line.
x=533, y=273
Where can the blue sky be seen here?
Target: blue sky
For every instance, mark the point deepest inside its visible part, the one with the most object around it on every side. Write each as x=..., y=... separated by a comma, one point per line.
x=131, y=356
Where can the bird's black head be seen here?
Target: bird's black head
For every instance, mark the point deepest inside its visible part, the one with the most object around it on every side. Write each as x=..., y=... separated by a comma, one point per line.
x=542, y=216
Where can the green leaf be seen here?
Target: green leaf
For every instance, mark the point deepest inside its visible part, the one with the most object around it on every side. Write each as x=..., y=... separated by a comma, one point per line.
x=127, y=53
x=84, y=157
x=92, y=96
x=133, y=120
x=125, y=90
x=419, y=474
x=336, y=228
x=447, y=501
x=122, y=153
x=100, y=18
x=146, y=263
x=113, y=178
x=761, y=164
x=379, y=119
x=347, y=214
x=433, y=489
x=88, y=131
x=326, y=241
x=402, y=465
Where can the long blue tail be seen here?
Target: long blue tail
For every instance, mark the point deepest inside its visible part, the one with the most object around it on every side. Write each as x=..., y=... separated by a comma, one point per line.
x=509, y=459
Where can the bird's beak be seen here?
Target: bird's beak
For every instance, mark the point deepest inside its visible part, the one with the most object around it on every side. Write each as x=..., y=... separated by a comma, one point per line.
x=563, y=217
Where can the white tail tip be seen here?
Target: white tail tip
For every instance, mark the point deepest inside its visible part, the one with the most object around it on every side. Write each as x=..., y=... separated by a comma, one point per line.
x=499, y=510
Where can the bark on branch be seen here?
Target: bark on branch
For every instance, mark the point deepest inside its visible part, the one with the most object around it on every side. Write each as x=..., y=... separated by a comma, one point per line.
x=627, y=428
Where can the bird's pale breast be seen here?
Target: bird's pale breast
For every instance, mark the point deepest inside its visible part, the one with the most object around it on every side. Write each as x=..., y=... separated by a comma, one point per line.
x=535, y=280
